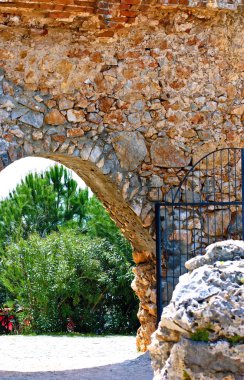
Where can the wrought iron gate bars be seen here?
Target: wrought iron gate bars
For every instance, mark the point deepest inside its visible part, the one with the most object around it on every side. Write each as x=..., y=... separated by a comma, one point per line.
x=200, y=205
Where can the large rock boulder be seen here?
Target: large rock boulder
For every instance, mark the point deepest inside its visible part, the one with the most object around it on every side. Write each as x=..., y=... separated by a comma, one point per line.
x=201, y=332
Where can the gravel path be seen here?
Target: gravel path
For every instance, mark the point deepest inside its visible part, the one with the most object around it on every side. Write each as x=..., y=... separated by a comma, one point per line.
x=72, y=358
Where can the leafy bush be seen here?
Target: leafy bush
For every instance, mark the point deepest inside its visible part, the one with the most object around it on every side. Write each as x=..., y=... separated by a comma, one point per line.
x=69, y=274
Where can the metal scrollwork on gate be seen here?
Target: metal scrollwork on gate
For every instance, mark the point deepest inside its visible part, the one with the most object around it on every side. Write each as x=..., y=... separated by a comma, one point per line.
x=205, y=208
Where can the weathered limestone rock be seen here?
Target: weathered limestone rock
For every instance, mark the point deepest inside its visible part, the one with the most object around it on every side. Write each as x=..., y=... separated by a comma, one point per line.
x=201, y=361
x=54, y=117
x=18, y=112
x=226, y=250
x=215, y=223
x=34, y=119
x=165, y=154
x=75, y=116
x=220, y=158
x=141, y=257
x=130, y=148
x=65, y=104
x=3, y=145
x=75, y=132
x=201, y=332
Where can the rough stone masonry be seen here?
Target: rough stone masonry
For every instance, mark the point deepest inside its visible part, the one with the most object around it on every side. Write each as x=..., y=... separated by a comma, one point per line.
x=128, y=94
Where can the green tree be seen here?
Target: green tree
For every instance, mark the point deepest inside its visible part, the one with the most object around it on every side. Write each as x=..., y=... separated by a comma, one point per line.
x=99, y=223
x=41, y=203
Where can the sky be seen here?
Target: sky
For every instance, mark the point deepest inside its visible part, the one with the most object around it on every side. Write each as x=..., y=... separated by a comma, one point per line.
x=12, y=174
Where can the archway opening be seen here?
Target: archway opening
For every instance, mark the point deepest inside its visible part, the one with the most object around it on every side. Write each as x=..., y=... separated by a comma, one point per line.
x=59, y=232
x=110, y=190
x=31, y=245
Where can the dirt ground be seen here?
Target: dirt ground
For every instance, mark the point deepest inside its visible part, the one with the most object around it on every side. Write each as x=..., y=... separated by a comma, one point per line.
x=73, y=358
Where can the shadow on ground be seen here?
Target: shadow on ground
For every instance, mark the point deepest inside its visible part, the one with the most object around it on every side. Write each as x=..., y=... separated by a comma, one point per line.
x=137, y=369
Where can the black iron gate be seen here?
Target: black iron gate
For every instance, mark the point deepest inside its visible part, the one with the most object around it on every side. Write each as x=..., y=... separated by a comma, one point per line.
x=205, y=208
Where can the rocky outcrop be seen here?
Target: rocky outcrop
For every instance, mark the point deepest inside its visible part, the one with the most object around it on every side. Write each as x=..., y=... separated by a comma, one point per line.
x=201, y=332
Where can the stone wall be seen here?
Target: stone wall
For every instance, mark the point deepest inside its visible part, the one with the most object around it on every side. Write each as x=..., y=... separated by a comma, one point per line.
x=107, y=16
x=201, y=334
x=129, y=109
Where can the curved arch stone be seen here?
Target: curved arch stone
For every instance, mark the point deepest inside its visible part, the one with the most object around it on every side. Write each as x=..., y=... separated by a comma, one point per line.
x=110, y=195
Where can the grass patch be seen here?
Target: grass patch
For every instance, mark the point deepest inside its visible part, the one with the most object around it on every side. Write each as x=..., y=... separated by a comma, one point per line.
x=201, y=335
x=186, y=375
x=236, y=339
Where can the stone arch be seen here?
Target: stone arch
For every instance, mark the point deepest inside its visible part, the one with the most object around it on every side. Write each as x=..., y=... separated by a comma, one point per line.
x=130, y=225
x=106, y=165
x=111, y=197
x=125, y=218
x=133, y=104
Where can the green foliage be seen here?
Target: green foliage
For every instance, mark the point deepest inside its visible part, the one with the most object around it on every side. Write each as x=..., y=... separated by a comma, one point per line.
x=99, y=223
x=62, y=256
x=41, y=203
x=68, y=274
x=201, y=335
x=236, y=339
